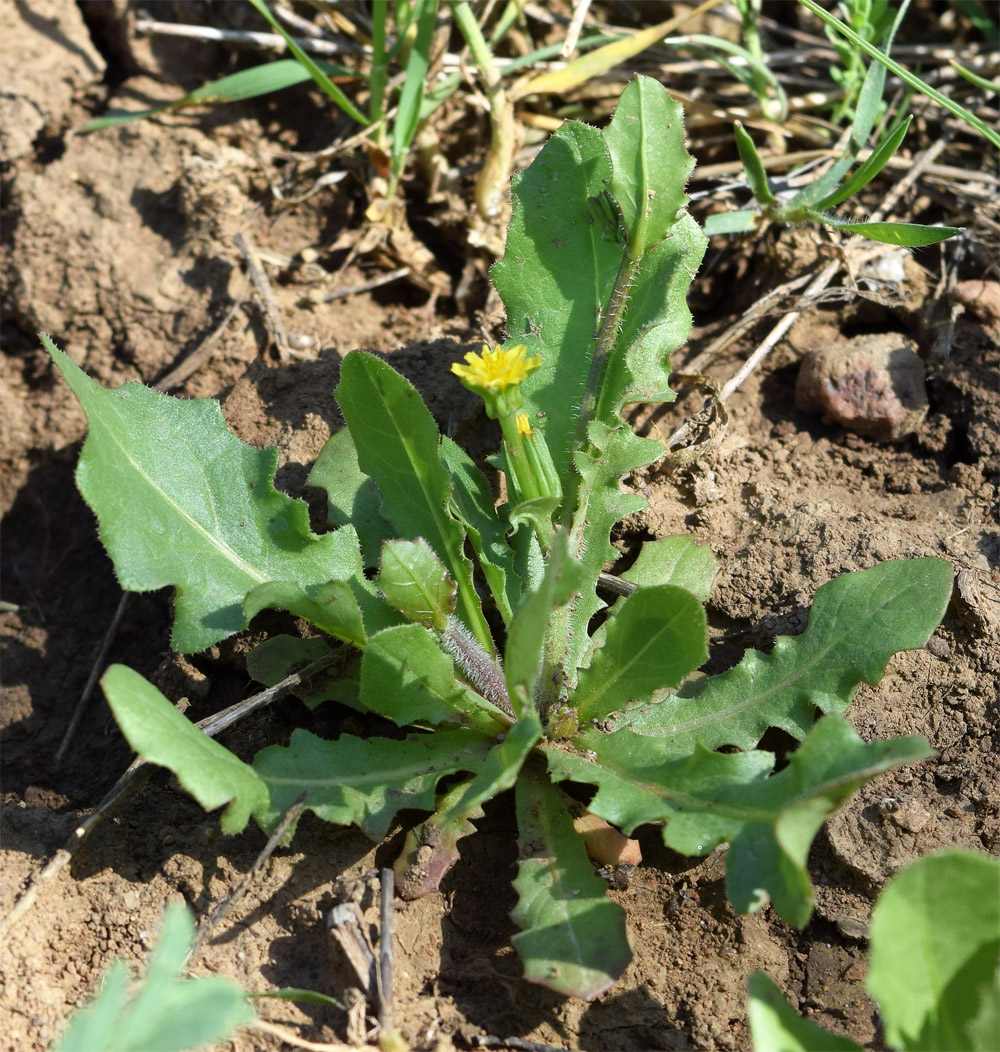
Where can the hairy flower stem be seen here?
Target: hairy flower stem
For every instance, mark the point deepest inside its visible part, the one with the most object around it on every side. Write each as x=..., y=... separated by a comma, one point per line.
x=484, y=673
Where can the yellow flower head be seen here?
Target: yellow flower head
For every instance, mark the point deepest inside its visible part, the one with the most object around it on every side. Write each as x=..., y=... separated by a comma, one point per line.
x=523, y=424
x=493, y=372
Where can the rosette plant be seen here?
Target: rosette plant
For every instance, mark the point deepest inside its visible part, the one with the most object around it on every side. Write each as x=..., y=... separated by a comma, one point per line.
x=485, y=631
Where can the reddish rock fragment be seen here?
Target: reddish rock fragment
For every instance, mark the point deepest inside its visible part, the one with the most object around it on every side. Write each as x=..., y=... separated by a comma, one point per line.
x=981, y=297
x=872, y=385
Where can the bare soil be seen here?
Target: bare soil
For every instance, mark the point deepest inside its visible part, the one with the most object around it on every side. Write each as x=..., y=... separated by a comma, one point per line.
x=120, y=245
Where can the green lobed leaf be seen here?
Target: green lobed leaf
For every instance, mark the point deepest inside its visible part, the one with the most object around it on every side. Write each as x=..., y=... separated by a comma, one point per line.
x=415, y=581
x=857, y=622
x=656, y=322
x=398, y=446
x=706, y=798
x=431, y=848
x=181, y=501
x=406, y=677
x=776, y=1027
x=166, y=1013
x=351, y=781
x=162, y=735
x=649, y=163
x=654, y=638
x=935, y=939
x=572, y=937
x=352, y=496
x=555, y=277
x=679, y=560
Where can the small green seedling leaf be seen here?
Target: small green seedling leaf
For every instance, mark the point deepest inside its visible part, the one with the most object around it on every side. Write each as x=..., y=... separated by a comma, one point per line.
x=655, y=638
x=777, y=1027
x=907, y=235
x=857, y=622
x=680, y=561
x=753, y=166
x=415, y=581
x=181, y=501
x=364, y=783
x=162, y=735
x=166, y=1013
x=406, y=677
x=935, y=939
x=572, y=937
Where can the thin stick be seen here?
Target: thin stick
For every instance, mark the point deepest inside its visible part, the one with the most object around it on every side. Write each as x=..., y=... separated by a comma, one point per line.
x=95, y=674
x=136, y=774
x=260, y=279
x=580, y=9
x=197, y=358
x=223, y=908
x=316, y=296
x=293, y=1039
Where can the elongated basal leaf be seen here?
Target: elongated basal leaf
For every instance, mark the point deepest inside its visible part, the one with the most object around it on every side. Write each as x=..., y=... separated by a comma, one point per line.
x=655, y=638
x=162, y=735
x=364, y=782
x=181, y=501
x=857, y=622
x=706, y=798
x=398, y=444
x=572, y=936
x=776, y=1027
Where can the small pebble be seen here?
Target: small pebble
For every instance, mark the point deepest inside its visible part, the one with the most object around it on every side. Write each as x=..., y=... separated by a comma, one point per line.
x=981, y=297
x=872, y=385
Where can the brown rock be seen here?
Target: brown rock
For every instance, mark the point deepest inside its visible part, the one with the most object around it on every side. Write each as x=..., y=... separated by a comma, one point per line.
x=981, y=297
x=872, y=385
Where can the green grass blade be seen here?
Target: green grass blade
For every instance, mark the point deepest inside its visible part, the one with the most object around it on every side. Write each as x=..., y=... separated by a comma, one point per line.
x=869, y=168
x=992, y=86
x=412, y=96
x=988, y=133
x=247, y=84
x=315, y=71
